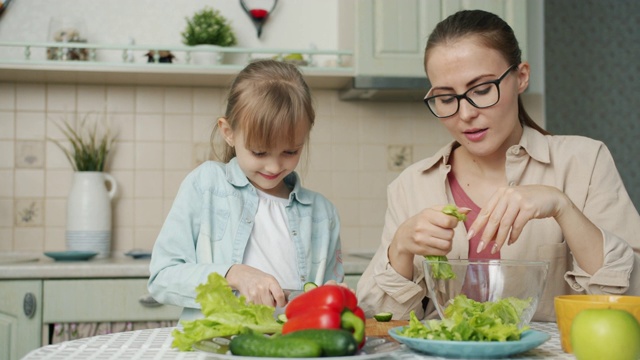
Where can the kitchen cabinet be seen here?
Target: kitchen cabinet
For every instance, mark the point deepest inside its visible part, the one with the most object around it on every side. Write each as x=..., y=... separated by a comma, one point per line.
x=28, y=306
x=390, y=35
x=20, y=317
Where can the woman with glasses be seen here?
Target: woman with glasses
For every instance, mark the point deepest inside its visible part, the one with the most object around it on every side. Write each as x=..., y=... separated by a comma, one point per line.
x=527, y=195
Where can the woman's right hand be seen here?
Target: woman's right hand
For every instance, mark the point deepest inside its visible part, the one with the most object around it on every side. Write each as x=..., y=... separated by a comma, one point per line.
x=430, y=232
x=256, y=285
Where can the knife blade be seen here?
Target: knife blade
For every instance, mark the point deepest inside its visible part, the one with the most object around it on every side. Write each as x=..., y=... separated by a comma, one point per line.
x=290, y=294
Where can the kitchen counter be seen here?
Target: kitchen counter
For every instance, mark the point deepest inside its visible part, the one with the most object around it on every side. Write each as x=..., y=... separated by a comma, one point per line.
x=38, y=266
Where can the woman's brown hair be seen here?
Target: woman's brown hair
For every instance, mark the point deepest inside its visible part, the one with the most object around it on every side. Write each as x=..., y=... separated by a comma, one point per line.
x=494, y=32
x=267, y=101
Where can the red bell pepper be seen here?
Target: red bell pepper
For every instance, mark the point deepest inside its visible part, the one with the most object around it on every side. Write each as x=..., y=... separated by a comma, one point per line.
x=326, y=307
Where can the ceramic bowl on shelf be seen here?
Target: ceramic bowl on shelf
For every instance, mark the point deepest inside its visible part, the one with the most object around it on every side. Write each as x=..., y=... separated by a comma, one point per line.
x=568, y=306
x=487, y=281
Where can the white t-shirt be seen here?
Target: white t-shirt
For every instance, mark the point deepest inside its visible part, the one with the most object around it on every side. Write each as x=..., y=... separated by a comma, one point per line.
x=270, y=247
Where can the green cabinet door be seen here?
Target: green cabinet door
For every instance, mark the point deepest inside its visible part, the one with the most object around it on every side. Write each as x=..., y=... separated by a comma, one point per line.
x=20, y=317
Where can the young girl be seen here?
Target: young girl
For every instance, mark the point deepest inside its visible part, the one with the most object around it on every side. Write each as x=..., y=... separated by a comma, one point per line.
x=248, y=218
x=532, y=196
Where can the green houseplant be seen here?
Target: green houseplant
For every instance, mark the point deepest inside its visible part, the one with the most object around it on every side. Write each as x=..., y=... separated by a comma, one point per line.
x=89, y=150
x=208, y=27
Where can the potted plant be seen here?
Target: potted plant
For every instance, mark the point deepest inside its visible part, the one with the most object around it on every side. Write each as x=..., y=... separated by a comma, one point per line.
x=208, y=27
x=89, y=200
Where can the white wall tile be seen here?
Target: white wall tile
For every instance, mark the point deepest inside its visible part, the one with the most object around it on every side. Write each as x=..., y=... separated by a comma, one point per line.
x=148, y=212
x=345, y=130
x=371, y=212
x=345, y=184
x=370, y=237
x=149, y=99
x=149, y=156
x=6, y=183
x=148, y=184
x=145, y=237
x=178, y=155
x=123, y=213
x=322, y=130
x=55, y=122
x=55, y=239
x=372, y=184
x=28, y=239
x=120, y=99
x=209, y=102
x=348, y=210
x=323, y=102
x=91, y=98
x=203, y=127
x=345, y=157
x=29, y=183
x=7, y=124
x=30, y=126
x=373, y=157
x=30, y=97
x=7, y=154
x=122, y=240
x=55, y=213
x=172, y=181
x=177, y=127
x=58, y=183
x=6, y=239
x=123, y=126
x=122, y=155
x=7, y=96
x=61, y=98
x=149, y=127
x=178, y=100
x=6, y=213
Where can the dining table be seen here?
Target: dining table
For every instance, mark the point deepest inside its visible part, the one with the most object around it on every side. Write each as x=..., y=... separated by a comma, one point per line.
x=155, y=344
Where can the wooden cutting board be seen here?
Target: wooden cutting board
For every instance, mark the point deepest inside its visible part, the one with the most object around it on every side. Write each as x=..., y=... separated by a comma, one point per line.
x=381, y=329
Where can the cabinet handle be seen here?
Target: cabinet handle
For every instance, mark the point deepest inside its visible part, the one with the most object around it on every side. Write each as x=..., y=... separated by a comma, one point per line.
x=29, y=305
x=148, y=301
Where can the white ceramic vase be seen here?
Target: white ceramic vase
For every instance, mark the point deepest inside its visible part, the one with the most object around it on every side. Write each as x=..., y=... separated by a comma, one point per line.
x=206, y=55
x=89, y=212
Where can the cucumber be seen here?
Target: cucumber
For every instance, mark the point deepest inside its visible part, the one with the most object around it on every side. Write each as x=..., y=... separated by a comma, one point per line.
x=309, y=286
x=281, y=318
x=334, y=342
x=383, y=316
x=258, y=345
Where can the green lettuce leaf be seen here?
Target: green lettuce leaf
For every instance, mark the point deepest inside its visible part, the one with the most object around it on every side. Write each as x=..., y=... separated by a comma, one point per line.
x=225, y=315
x=469, y=320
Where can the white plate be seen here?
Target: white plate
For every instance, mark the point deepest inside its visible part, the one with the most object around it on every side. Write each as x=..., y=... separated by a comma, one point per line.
x=476, y=349
x=374, y=348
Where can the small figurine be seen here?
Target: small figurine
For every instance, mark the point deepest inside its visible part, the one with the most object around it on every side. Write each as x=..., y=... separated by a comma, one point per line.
x=164, y=56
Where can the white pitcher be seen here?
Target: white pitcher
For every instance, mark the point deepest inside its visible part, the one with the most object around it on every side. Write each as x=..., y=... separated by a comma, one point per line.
x=89, y=212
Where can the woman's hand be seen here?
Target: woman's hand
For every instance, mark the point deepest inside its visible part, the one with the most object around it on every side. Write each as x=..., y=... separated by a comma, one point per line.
x=257, y=286
x=429, y=232
x=509, y=210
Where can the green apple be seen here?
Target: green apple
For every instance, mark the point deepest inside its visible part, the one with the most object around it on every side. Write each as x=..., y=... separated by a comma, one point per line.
x=605, y=334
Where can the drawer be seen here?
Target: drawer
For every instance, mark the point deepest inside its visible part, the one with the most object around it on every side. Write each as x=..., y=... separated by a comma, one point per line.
x=101, y=300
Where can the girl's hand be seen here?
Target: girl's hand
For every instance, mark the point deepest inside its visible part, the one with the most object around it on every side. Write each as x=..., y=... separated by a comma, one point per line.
x=509, y=210
x=257, y=286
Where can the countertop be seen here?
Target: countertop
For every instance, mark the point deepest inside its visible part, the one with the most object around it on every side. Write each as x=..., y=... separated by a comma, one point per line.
x=22, y=266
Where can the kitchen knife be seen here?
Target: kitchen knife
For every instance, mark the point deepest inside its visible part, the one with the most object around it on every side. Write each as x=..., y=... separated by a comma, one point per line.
x=291, y=294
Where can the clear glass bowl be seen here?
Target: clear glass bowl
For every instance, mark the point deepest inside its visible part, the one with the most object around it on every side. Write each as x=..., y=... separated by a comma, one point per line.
x=486, y=280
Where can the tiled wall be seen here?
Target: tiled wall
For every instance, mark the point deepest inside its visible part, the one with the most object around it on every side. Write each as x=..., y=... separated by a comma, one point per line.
x=356, y=149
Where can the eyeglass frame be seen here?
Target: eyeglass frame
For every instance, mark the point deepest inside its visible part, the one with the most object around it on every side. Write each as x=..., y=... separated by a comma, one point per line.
x=459, y=97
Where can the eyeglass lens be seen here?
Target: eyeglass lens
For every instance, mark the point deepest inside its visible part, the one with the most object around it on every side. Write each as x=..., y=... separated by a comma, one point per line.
x=480, y=96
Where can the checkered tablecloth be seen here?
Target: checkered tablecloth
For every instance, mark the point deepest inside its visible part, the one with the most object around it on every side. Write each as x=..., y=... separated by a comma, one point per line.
x=156, y=344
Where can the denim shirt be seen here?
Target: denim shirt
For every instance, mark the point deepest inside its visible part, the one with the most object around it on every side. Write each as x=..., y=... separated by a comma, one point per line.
x=208, y=227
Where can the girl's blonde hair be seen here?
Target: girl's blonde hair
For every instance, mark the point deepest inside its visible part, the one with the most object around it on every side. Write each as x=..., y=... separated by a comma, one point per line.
x=267, y=102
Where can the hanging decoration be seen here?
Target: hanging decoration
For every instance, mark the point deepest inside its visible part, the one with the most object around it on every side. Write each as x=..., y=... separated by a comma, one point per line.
x=258, y=16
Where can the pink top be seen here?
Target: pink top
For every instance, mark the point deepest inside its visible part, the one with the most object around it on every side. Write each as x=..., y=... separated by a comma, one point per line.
x=462, y=200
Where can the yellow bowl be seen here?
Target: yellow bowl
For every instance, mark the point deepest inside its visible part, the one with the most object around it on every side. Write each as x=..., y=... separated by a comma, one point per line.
x=568, y=306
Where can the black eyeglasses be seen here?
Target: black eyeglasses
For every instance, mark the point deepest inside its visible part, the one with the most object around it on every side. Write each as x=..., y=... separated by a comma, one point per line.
x=481, y=96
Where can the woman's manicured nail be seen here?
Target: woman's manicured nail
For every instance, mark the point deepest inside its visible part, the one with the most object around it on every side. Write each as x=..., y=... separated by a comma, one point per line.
x=470, y=234
x=494, y=249
x=480, y=247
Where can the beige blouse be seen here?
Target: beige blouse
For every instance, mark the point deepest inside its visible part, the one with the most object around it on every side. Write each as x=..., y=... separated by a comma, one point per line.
x=581, y=167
